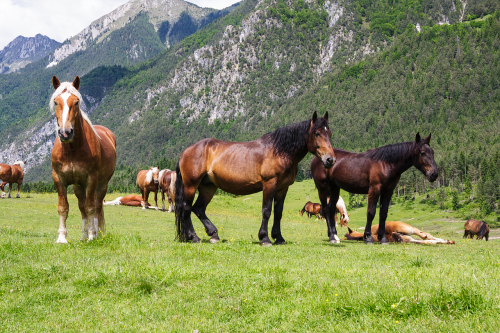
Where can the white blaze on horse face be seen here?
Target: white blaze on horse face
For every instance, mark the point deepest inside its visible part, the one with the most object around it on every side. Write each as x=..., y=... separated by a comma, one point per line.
x=65, y=113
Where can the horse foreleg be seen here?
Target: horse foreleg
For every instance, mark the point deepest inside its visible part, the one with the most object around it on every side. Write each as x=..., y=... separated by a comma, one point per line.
x=10, y=187
x=90, y=207
x=373, y=195
x=385, y=199
x=205, y=195
x=156, y=199
x=163, y=200
x=146, y=199
x=18, y=187
x=268, y=191
x=62, y=209
x=279, y=201
x=331, y=212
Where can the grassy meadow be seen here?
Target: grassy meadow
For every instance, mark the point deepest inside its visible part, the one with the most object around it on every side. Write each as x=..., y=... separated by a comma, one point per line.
x=137, y=278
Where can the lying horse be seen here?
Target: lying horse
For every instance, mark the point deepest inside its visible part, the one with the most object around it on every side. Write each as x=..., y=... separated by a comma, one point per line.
x=312, y=209
x=268, y=164
x=479, y=228
x=167, y=185
x=10, y=175
x=399, y=232
x=375, y=172
x=83, y=155
x=147, y=181
x=133, y=200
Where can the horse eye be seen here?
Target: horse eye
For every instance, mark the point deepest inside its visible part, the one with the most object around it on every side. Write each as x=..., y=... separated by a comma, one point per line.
x=317, y=134
x=422, y=153
x=77, y=102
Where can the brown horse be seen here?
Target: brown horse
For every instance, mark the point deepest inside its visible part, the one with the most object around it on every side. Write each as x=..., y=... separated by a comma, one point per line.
x=133, y=200
x=268, y=164
x=10, y=175
x=342, y=210
x=312, y=209
x=83, y=155
x=375, y=172
x=167, y=185
x=399, y=232
x=147, y=181
x=479, y=228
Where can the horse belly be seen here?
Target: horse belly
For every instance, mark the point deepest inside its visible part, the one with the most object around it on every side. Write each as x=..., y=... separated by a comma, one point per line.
x=236, y=185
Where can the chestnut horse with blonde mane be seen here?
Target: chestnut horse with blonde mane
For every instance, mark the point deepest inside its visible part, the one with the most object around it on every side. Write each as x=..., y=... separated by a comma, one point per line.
x=147, y=181
x=133, y=200
x=10, y=174
x=375, y=172
x=342, y=210
x=268, y=164
x=312, y=209
x=167, y=186
x=399, y=232
x=83, y=156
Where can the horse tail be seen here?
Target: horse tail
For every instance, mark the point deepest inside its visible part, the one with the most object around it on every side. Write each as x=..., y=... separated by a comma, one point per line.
x=180, y=210
x=482, y=230
x=173, y=178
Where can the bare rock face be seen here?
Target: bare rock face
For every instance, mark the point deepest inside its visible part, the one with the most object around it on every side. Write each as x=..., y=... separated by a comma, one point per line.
x=23, y=50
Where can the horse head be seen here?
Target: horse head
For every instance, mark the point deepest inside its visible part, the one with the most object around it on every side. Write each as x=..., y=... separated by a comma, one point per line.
x=353, y=235
x=152, y=175
x=423, y=158
x=318, y=141
x=65, y=102
x=344, y=219
x=20, y=163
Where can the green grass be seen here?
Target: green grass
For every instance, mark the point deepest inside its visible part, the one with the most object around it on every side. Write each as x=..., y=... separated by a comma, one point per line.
x=136, y=278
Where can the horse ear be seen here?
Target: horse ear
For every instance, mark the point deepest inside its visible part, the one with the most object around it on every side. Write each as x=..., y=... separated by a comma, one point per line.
x=326, y=115
x=55, y=82
x=428, y=139
x=350, y=231
x=315, y=117
x=76, y=82
x=417, y=137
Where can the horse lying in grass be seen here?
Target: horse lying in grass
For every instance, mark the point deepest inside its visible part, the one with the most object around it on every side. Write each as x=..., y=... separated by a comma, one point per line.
x=133, y=200
x=83, y=155
x=375, y=172
x=342, y=210
x=147, y=181
x=12, y=174
x=312, y=209
x=399, y=232
x=479, y=228
x=268, y=164
x=167, y=186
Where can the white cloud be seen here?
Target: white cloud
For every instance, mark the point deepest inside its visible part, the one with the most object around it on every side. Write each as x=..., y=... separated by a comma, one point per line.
x=60, y=20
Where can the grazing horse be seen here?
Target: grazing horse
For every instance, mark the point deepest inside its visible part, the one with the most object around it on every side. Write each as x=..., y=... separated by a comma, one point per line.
x=167, y=185
x=312, y=209
x=399, y=232
x=10, y=175
x=133, y=200
x=147, y=181
x=83, y=155
x=375, y=172
x=268, y=164
x=479, y=228
x=342, y=210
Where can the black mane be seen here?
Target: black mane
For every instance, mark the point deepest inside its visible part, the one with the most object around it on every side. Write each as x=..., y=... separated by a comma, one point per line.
x=290, y=139
x=393, y=153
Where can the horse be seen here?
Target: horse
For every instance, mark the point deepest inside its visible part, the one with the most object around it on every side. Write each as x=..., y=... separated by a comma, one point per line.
x=147, y=181
x=10, y=175
x=312, y=209
x=399, y=232
x=133, y=200
x=83, y=156
x=375, y=172
x=167, y=185
x=342, y=210
x=479, y=228
x=268, y=164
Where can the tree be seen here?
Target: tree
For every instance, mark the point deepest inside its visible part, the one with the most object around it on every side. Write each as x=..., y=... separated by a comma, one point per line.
x=454, y=201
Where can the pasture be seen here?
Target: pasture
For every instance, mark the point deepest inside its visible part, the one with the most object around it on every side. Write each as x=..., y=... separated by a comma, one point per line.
x=137, y=278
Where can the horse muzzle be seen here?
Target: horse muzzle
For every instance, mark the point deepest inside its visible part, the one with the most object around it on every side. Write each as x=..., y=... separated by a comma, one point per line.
x=66, y=135
x=328, y=162
x=155, y=181
x=432, y=177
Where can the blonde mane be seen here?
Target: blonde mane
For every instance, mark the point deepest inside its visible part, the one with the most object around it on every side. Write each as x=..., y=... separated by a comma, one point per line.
x=68, y=86
x=149, y=175
x=160, y=176
x=20, y=163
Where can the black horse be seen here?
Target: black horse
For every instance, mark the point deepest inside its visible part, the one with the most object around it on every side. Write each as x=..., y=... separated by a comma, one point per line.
x=375, y=172
x=267, y=164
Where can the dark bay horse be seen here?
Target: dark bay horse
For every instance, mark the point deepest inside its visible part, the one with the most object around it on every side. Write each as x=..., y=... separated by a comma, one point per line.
x=474, y=227
x=83, y=155
x=375, y=172
x=267, y=164
x=11, y=174
x=166, y=183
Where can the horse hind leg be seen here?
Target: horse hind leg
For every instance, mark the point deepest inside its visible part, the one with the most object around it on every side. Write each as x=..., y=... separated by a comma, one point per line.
x=10, y=187
x=205, y=195
x=82, y=197
x=100, y=220
x=279, y=201
x=2, y=186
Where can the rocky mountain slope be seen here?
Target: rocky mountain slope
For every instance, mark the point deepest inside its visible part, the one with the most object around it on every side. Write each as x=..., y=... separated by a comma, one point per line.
x=24, y=50
x=237, y=78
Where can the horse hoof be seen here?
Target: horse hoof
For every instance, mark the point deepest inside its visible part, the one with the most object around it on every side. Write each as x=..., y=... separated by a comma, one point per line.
x=61, y=241
x=369, y=242
x=335, y=241
x=266, y=244
x=213, y=240
x=280, y=243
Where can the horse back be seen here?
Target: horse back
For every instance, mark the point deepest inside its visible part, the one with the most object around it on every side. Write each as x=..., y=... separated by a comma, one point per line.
x=165, y=180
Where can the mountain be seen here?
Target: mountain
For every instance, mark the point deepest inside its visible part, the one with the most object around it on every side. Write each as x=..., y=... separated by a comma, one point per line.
x=24, y=50
x=373, y=66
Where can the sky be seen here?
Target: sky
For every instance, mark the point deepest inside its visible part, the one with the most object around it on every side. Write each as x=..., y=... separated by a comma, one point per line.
x=61, y=19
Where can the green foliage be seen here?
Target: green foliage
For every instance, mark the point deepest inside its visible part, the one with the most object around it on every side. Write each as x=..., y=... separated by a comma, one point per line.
x=454, y=201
